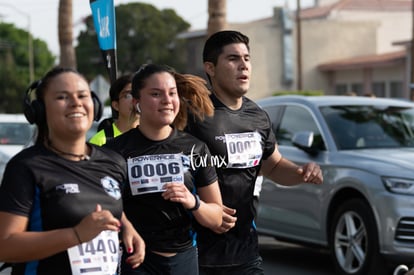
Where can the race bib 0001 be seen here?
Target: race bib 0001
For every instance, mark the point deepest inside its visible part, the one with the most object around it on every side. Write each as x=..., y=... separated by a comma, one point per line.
x=243, y=150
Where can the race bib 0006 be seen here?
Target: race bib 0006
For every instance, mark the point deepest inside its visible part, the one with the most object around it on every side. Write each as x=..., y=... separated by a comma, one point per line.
x=148, y=174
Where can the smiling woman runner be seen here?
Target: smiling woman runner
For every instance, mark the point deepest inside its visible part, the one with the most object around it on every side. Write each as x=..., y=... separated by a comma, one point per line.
x=166, y=190
x=60, y=200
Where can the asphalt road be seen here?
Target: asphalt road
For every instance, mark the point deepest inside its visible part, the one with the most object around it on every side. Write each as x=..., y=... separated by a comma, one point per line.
x=283, y=258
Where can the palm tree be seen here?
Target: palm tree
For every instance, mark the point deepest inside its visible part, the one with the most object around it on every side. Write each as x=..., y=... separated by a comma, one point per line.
x=217, y=16
x=65, y=32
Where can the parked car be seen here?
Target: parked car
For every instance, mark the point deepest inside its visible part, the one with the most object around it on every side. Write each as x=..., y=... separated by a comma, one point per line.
x=15, y=133
x=364, y=210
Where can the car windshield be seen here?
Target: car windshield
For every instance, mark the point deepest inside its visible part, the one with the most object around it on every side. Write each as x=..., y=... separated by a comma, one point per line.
x=15, y=133
x=360, y=127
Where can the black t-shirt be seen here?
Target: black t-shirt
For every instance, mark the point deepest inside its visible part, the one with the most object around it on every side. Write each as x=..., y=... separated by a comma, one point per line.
x=164, y=225
x=240, y=139
x=53, y=192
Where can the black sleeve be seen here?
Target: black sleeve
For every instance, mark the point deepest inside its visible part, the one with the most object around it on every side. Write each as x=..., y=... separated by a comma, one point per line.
x=18, y=187
x=269, y=140
x=205, y=175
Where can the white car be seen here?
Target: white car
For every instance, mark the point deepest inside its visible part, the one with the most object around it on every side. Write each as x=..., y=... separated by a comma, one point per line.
x=15, y=133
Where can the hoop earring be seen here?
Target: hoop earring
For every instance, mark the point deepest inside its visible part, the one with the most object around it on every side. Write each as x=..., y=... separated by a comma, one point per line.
x=138, y=108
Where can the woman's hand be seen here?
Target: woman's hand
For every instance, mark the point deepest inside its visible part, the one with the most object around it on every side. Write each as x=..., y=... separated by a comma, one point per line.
x=178, y=192
x=229, y=220
x=96, y=222
x=133, y=243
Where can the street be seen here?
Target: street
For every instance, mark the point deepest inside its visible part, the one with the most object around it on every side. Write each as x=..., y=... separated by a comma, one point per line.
x=283, y=258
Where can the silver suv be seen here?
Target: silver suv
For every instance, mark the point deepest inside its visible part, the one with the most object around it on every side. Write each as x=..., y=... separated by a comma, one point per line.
x=364, y=210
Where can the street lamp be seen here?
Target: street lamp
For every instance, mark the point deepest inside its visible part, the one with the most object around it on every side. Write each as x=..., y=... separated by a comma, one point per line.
x=30, y=39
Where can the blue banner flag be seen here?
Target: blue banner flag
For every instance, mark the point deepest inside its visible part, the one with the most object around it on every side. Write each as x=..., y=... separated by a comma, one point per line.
x=103, y=13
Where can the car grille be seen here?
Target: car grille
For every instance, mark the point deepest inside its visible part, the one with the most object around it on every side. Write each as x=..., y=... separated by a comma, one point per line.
x=405, y=230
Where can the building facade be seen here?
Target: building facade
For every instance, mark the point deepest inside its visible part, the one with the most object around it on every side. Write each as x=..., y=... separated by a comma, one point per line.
x=345, y=45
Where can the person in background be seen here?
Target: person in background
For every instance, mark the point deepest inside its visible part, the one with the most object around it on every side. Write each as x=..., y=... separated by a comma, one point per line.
x=240, y=134
x=351, y=93
x=60, y=199
x=171, y=179
x=124, y=111
x=370, y=94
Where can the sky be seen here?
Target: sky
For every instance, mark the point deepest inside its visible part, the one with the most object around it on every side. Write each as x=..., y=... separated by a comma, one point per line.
x=41, y=15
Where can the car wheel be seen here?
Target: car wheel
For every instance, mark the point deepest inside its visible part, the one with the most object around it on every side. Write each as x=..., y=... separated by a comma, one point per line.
x=354, y=240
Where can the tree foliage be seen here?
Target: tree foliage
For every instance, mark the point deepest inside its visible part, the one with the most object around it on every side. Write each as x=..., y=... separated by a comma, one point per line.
x=14, y=65
x=144, y=35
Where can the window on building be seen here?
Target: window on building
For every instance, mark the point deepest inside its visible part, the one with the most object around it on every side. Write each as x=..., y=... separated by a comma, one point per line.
x=378, y=88
x=396, y=89
x=357, y=88
x=341, y=89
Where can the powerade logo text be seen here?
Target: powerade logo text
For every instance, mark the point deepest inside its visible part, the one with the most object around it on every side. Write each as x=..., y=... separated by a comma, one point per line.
x=157, y=157
x=222, y=138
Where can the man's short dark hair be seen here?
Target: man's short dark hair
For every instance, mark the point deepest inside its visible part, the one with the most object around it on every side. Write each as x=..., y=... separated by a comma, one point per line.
x=215, y=43
x=116, y=89
x=118, y=85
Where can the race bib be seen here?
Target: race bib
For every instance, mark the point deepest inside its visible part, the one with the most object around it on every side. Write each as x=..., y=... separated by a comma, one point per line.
x=98, y=256
x=148, y=174
x=243, y=150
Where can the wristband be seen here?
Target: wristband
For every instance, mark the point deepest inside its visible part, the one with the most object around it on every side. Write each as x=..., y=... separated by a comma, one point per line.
x=197, y=203
x=77, y=235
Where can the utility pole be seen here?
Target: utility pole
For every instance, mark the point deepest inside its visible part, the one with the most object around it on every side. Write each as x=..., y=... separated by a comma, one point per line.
x=298, y=47
x=31, y=57
x=217, y=16
x=411, y=86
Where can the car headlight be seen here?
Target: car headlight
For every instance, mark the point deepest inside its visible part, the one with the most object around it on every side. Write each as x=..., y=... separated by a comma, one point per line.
x=400, y=186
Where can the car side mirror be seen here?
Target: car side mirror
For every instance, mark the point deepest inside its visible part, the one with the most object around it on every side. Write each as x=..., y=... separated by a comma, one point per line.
x=304, y=141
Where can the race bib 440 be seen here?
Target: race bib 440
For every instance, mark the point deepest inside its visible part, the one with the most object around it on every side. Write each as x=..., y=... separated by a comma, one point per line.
x=98, y=256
